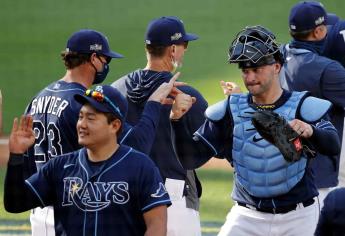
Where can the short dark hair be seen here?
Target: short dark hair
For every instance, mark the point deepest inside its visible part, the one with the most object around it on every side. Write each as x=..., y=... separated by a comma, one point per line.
x=303, y=35
x=74, y=59
x=110, y=118
x=156, y=50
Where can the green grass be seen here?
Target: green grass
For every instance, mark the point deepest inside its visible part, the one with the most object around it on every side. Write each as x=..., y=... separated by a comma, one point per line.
x=34, y=32
x=215, y=203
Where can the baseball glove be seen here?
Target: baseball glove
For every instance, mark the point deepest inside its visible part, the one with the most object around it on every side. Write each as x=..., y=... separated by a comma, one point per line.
x=277, y=131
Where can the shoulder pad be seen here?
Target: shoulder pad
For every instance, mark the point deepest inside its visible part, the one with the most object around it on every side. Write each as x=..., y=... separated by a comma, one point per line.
x=217, y=111
x=313, y=109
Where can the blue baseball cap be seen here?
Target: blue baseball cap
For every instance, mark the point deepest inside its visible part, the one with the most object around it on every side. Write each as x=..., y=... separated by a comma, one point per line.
x=305, y=16
x=332, y=19
x=167, y=30
x=105, y=98
x=90, y=41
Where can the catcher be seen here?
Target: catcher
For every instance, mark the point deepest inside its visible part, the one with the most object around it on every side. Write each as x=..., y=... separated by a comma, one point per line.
x=269, y=136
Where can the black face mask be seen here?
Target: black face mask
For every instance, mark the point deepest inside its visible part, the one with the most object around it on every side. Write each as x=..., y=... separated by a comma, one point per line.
x=100, y=76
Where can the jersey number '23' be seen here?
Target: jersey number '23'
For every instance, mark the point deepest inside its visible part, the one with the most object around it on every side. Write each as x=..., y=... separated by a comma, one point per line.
x=47, y=143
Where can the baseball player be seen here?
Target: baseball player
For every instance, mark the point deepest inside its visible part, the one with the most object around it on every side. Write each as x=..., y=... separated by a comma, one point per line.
x=55, y=112
x=273, y=196
x=335, y=49
x=102, y=189
x=305, y=69
x=335, y=40
x=166, y=42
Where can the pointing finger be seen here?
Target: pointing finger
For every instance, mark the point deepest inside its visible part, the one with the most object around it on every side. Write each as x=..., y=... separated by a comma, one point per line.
x=174, y=78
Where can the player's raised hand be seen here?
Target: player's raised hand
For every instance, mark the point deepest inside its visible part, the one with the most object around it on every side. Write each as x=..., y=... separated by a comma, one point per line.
x=229, y=88
x=182, y=103
x=22, y=136
x=165, y=89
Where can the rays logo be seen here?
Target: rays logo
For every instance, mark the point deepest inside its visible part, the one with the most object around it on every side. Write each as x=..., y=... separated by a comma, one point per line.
x=96, y=47
x=176, y=36
x=161, y=191
x=320, y=20
x=91, y=197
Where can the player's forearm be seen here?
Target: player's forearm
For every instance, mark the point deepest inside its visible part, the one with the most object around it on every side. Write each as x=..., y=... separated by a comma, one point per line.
x=325, y=141
x=143, y=133
x=156, y=230
x=17, y=197
x=192, y=154
x=156, y=221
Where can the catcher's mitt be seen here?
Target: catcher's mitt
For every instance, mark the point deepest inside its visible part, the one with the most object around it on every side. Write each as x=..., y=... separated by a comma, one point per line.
x=277, y=131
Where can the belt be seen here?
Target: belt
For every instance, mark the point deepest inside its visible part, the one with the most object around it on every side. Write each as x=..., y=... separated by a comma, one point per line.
x=279, y=210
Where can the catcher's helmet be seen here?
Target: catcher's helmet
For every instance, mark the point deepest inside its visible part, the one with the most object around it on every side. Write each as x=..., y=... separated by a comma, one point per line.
x=254, y=46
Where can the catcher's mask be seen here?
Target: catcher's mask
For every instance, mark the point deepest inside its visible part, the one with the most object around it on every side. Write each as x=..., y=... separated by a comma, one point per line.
x=254, y=46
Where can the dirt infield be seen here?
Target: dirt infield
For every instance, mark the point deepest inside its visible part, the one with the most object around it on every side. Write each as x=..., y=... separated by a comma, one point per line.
x=213, y=163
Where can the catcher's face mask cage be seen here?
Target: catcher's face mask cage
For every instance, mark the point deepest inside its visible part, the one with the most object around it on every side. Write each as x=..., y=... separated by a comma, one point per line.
x=254, y=46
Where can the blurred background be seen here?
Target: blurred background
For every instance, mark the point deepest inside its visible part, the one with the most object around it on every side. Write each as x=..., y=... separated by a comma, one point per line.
x=33, y=33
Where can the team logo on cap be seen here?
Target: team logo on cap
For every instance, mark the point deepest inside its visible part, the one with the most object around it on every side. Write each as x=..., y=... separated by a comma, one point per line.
x=293, y=27
x=176, y=36
x=96, y=47
x=320, y=20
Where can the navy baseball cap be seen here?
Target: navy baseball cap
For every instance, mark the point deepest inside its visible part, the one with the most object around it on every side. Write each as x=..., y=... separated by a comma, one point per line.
x=105, y=98
x=90, y=41
x=305, y=16
x=332, y=19
x=167, y=30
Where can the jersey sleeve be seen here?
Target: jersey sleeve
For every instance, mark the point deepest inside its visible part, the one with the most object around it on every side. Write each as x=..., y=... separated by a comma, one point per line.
x=151, y=188
x=142, y=135
x=42, y=183
x=323, y=130
x=217, y=135
x=333, y=83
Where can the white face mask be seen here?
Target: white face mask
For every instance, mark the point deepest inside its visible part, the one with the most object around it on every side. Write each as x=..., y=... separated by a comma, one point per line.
x=176, y=65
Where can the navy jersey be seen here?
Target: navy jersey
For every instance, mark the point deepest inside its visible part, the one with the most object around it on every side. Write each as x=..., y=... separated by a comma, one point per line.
x=215, y=138
x=105, y=198
x=306, y=70
x=55, y=115
x=335, y=42
x=137, y=87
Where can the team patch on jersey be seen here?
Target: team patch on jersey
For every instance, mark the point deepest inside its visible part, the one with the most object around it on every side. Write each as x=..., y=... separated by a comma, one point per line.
x=93, y=196
x=161, y=191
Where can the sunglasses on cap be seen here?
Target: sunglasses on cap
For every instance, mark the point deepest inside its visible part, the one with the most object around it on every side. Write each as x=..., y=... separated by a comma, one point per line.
x=100, y=97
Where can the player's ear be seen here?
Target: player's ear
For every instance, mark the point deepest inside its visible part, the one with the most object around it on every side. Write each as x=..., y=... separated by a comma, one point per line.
x=172, y=50
x=116, y=125
x=93, y=57
x=277, y=67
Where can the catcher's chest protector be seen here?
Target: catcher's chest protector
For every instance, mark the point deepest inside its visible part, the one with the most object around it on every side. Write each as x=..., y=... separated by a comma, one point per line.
x=260, y=167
